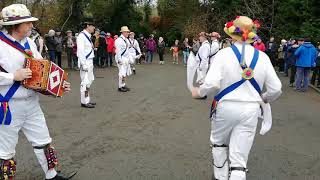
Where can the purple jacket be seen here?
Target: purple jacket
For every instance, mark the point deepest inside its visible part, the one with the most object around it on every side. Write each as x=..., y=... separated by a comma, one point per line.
x=151, y=45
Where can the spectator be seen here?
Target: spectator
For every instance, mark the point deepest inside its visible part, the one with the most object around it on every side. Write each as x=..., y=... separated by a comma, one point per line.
x=306, y=55
x=259, y=45
x=142, y=45
x=291, y=60
x=59, y=46
x=271, y=51
x=110, y=47
x=95, y=40
x=316, y=70
x=151, y=46
x=102, y=50
x=68, y=43
x=161, y=48
x=185, y=50
x=51, y=44
x=74, y=53
x=281, y=54
x=175, y=52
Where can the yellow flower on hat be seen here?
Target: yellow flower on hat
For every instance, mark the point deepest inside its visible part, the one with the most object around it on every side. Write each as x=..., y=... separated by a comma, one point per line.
x=242, y=29
x=231, y=29
x=251, y=35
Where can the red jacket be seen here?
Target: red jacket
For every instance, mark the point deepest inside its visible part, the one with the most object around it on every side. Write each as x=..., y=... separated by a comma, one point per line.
x=110, y=44
x=260, y=46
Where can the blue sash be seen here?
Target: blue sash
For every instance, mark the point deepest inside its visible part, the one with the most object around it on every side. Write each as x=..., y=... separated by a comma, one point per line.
x=5, y=113
x=238, y=83
x=90, y=42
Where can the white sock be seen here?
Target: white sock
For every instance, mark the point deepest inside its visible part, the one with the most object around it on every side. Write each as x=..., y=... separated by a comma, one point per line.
x=44, y=164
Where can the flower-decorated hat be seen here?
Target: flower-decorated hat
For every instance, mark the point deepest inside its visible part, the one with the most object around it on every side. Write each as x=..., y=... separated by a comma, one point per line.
x=16, y=14
x=243, y=29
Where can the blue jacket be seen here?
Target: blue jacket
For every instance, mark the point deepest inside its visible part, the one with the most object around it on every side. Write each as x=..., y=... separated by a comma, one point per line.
x=306, y=55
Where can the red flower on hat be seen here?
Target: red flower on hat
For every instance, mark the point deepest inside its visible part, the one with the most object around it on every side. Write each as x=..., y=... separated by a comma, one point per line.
x=229, y=24
x=257, y=24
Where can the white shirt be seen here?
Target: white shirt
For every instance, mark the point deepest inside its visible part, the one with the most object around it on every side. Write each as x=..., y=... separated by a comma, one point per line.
x=122, y=45
x=226, y=71
x=11, y=60
x=84, y=47
x=204, y=52
x=214, y=47
x=133, y=46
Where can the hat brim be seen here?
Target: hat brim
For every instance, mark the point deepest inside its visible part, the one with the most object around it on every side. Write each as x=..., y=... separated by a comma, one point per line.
x=127, y=30
x=8, y=23
x=236, y=37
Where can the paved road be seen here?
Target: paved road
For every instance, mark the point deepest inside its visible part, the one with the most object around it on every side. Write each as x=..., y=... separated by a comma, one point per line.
x=157, y=131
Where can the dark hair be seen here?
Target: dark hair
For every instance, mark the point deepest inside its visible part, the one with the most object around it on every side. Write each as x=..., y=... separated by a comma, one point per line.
x=11, y=28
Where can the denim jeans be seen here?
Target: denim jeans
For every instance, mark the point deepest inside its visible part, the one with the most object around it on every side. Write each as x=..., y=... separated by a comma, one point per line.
x=149, y=56
x=185, y=56
x=302, y=76
x=52, y=56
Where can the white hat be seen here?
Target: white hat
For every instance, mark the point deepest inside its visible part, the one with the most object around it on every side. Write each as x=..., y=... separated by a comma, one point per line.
x=16, y=14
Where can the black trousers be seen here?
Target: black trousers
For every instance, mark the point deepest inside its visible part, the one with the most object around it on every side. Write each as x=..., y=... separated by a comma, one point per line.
x=58, y=58
x=161, y=56
x=69, y=57
x=315, y=75
x=109, y=58
x=293, y=70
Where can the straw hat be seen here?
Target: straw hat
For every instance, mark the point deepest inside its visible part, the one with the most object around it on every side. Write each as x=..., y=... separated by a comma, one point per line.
x=243, y=29
x=124, y=29
x=16, y=14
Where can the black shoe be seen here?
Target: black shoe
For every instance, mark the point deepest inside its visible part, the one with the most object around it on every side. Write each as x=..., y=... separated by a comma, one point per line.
x=204, y=97
x=134, y=72
x=92, y=103
x=128, y=89
x=87, y=105
x=59, y=176
x=123, y=89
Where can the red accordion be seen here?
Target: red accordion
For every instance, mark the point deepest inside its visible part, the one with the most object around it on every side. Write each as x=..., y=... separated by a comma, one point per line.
x=47, y=77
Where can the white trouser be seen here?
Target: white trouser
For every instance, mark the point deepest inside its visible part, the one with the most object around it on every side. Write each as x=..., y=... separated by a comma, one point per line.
x=234, y=124
x=28, y=117
x=132, y=61
x=202, y=72
x=124, y=71
x=87, y=77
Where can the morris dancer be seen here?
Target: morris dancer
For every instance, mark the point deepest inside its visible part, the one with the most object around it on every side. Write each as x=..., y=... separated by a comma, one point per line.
x=134, y=50
x=203, y=58
x=237, y=76
x=215, y=46
x=20, y=108
x=122, y=58
x=85, y=53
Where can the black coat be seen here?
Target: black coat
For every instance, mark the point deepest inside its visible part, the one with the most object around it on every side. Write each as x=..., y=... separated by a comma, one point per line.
x=51, y=43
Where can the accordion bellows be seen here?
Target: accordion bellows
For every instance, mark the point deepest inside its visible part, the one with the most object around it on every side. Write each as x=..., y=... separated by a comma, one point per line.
x=47, y=77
